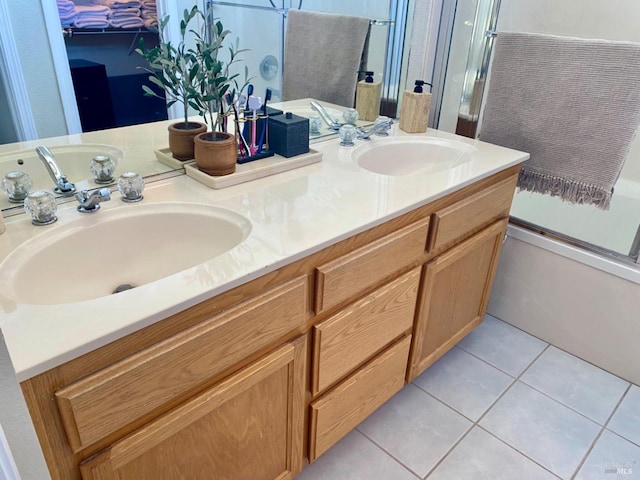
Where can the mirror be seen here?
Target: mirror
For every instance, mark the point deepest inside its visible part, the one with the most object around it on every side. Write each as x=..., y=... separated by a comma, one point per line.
x=259, y=23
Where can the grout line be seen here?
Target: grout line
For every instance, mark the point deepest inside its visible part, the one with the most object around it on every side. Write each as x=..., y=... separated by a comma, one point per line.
x=387, y=453
x=516, y=450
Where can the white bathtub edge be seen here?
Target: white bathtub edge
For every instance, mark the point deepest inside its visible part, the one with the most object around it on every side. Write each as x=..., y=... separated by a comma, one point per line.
x=626, y=272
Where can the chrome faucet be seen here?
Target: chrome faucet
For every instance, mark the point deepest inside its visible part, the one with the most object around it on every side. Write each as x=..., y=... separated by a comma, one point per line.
x=379, y=128
x=326, y=118
x=63, y=186
x=90, y=200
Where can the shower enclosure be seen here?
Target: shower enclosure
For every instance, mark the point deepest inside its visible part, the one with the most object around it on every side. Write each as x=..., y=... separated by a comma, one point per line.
x=260, y=26
x=616, y=232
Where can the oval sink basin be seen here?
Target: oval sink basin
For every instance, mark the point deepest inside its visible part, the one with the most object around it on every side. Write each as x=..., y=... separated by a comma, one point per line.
x=398, y=156
x=113, y=250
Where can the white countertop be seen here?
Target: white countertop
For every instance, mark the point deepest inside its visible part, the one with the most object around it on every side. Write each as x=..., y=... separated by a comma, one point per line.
x=292, y=214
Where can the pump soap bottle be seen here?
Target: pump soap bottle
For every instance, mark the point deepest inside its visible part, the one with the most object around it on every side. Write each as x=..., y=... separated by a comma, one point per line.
x=368, y=95
x=414, y=116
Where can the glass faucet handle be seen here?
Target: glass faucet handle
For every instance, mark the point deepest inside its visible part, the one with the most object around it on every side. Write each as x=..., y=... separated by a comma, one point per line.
x=102, y=168
x=131, y=186
x=17, y=185
x=347, y=134
x=41, y=206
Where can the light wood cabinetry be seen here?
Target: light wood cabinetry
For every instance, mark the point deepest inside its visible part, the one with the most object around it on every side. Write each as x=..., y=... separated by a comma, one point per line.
x=349, y=275
x=454, y=296
x=342, y=409
x=110, y=399
x=251, y=383
x=248, y=427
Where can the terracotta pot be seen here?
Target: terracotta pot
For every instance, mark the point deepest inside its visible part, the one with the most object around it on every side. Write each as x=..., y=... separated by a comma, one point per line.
x=216, y=157
x=181, y=139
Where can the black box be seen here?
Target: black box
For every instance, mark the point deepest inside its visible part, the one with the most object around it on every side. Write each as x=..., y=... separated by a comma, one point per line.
x=288, y=135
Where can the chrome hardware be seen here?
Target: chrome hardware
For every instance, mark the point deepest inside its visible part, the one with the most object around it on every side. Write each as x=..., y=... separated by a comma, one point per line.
x=63, y=186
x=326, y=118
x=380, y=128
x=90, y=200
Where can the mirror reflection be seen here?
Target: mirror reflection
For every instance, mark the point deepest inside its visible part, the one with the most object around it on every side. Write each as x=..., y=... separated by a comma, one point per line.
x=107, y=81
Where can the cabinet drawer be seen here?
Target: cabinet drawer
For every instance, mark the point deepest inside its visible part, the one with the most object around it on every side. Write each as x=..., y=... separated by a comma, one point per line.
x=348, y=339
x=339, y=411
x=472, y=213
x=110, y=399
x=351, y=274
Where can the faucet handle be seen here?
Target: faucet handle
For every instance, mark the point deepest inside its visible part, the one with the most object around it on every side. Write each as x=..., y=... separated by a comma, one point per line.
x=90, y=200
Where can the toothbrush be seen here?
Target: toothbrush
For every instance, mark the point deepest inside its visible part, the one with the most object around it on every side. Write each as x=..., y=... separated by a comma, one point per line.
x=267, y=97
x=254, y=104
x=243, y=143
x=245, y=130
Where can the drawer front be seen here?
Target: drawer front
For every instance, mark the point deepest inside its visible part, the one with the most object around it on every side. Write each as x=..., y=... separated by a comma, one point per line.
x=347, y=340
x=351, y=274
x=472, y=213
x=110, y=399
x=343, y=408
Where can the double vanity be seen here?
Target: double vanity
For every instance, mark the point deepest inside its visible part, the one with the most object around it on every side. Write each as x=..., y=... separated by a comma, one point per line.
x=266, y=319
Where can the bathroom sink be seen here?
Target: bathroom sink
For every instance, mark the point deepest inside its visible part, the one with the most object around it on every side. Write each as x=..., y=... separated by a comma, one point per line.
x=114, y=250
x=397, y=156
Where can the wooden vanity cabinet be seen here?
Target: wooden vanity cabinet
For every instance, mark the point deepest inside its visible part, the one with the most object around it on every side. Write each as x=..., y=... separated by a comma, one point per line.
x=248, y=427
x=454, y=296
x=250, y=383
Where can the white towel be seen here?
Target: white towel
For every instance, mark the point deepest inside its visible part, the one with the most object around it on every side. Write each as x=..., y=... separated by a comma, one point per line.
x=91, y=22
x=322, y=56
x=124, y=12
x=92, y=9
x=119, y=3
x=572, y=103
x=127, y=22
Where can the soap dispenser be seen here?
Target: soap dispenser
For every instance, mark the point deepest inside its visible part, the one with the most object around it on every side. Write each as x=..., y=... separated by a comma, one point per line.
x=368, y=95
x=414, y=115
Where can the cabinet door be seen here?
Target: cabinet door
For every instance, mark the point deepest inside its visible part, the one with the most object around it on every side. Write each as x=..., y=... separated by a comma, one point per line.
x=454, y=296
x=247, y=427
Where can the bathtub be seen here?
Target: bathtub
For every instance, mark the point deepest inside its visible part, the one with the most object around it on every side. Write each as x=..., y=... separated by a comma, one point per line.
x=584, y=303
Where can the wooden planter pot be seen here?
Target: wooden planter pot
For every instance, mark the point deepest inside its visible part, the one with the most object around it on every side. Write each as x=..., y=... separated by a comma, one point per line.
x=181, y=139
x=216, y=157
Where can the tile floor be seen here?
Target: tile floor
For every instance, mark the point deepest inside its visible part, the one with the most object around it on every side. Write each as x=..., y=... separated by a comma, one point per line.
x=500, y=405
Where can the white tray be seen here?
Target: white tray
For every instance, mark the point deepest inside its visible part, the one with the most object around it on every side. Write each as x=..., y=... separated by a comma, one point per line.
x=246, y=172
x=164, y=156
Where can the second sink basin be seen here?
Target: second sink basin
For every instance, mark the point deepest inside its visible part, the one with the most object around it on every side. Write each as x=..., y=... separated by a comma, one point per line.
x=398, y=156
x=97, y=255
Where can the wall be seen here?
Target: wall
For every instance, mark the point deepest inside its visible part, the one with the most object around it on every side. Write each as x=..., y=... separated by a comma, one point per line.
x=37, y=65
x=7, y=130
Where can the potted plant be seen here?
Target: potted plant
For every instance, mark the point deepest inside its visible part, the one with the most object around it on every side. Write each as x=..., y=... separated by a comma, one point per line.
x=176, y=70
x=216, y=152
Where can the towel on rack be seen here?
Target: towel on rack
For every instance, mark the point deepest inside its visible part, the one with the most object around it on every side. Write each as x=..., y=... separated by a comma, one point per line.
x=91, y=22
x=124, y=12
x=127, y=22
x=119, y=3
x=92, y=10
x=572, y=103
x=322, y=56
